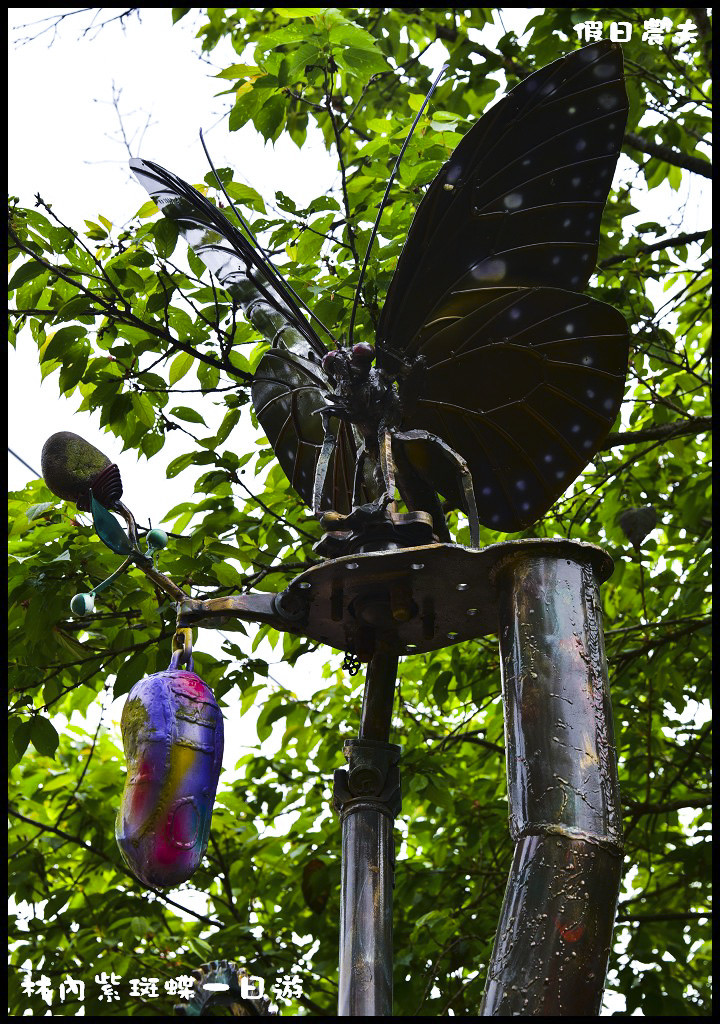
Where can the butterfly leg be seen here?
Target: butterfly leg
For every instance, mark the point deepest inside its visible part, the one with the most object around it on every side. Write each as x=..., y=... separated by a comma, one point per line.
x=328, y=446
x=463, y=472
x=359, y=468
x=387, y=466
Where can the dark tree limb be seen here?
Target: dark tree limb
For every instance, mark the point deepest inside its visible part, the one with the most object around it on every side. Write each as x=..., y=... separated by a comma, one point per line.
x=680, y=915
x=694, y=425
x=669, y=155
x=108, y=860
x=664, y=243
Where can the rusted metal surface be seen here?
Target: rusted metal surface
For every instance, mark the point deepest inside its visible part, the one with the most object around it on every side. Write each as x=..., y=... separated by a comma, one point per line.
x=553, y=939
x=367, y=797
x=415, y=599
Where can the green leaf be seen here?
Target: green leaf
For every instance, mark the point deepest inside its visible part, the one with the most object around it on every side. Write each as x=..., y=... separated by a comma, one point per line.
x=185, y=413
x=229, y=421
x=34, y=511
x=236, y=71
x=148, y=209
x=60, y=343
x=180, y=366
x=27, y=272
x=43, y=735
x=245, y=194
x=21, y=736
x=165, y=232
x=362, y=63
x=179, y=464
x=227, y=575
x=270, y=116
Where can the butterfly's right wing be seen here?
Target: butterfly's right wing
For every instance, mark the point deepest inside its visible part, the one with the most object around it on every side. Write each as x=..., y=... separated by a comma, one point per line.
x=288, y=395
x=237, y=265
x=289, y=384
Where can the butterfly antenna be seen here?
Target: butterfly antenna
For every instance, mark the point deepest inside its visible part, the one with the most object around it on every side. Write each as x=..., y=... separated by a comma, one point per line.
x=279, y=279
x=376, y=225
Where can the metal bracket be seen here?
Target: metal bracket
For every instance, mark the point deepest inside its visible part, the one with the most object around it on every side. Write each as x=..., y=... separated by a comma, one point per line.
x=372, y=778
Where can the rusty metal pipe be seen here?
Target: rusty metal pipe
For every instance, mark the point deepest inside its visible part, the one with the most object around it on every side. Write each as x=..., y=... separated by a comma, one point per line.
x=553, y=939
x=367, y=796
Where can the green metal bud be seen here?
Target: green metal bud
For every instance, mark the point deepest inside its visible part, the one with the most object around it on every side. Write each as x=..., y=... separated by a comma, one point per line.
x=82, y=604
x=157, y=540
x=71, y=466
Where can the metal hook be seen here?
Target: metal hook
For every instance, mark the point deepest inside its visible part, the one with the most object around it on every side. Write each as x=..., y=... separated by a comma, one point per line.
x=182, y=649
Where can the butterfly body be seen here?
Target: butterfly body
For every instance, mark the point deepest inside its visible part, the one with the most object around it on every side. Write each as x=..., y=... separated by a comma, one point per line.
x=495, y=380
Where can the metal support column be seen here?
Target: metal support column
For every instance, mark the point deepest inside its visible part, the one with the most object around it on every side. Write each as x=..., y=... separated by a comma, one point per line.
x=367, y=797
x=553, y=939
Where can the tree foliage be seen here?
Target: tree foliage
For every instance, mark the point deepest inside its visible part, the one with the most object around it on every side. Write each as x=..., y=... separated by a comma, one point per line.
x=138, y=330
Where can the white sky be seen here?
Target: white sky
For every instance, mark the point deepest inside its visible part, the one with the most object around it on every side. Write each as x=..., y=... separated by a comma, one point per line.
x=65, y=144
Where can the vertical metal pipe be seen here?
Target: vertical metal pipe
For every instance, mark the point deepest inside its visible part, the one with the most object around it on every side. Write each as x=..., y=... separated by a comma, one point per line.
x=367, y=796
x=553, y=939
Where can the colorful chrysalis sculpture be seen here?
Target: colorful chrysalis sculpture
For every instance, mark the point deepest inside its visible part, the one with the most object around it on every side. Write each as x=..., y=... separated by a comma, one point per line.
x=172, y=732
x=171, y=724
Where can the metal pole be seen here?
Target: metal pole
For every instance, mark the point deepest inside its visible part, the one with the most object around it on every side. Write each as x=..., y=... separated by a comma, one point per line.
x=367, y=796
x=553, y=939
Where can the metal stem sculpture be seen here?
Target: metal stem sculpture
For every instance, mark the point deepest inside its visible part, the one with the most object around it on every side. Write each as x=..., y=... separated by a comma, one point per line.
x=493, y=387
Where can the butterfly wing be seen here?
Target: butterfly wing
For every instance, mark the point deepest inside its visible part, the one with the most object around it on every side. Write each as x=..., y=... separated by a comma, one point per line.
x=520, y=200
x=289, y=383
x=508, y=225
x=525, y=385
x=288, y=396
x=225, y=251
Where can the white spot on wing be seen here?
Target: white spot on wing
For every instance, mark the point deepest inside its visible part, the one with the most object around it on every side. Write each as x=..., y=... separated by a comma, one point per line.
x=491, y=270
x=513, y=201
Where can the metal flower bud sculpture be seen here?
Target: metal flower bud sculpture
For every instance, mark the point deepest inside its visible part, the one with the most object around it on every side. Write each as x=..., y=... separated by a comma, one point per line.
x=492, y=382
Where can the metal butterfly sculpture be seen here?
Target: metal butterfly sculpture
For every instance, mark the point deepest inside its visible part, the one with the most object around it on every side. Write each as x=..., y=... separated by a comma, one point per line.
x=492, y=382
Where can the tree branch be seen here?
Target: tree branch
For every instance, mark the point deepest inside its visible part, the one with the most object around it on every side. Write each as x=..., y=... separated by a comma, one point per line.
x=669, y=155
x=695, y=425
x=108, y=860
x=664, y=243
x=687, y=915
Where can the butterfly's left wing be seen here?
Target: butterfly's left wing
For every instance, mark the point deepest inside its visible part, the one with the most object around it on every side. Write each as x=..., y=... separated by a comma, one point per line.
x=523, y=377
x=289, y=384
x=520, y=200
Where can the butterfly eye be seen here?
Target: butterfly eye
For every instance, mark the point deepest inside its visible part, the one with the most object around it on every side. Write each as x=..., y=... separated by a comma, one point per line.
x=363, y=354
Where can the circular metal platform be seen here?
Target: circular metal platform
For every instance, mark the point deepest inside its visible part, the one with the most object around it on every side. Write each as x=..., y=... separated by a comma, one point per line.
x=416, y=599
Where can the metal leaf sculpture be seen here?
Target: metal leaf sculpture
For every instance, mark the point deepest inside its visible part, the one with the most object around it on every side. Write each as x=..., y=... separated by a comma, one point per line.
x=495, y=381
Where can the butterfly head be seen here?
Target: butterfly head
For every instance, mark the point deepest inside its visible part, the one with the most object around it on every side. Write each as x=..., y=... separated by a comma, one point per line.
x=353, y=365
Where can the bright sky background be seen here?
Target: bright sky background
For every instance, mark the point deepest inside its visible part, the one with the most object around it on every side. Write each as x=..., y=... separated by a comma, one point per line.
x=65, y=143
